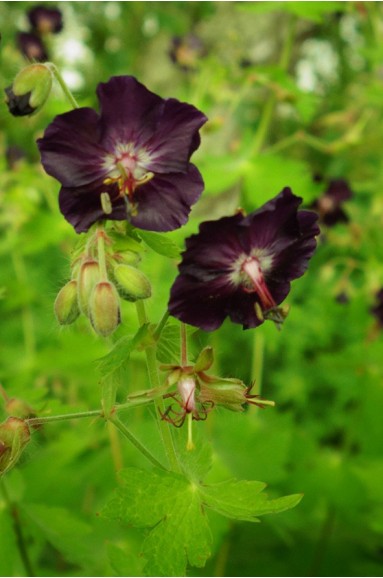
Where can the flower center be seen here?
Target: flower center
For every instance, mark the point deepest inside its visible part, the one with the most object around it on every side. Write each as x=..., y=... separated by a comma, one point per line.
x=253, y=281
x=126, y=167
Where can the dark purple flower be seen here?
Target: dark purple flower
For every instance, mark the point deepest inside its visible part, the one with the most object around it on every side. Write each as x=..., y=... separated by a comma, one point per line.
x=44, y=20
x=129, y=161
x=377, y=310
x=31, y=46
x=329, y=205
x=241, y=266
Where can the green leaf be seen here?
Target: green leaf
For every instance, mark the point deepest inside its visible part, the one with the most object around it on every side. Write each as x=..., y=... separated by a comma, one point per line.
x=241, y=500
x=170, y=505
x=119, y=355
x=64, y=531
x=160, y=244
x=173, y=507
x=313, y=11
x=123, y=562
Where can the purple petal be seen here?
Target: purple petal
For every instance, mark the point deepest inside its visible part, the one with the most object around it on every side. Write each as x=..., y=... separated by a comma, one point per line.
x=176, y=137
x=164, y=203
x=200, y=304
x=129, y=111
x=69, y=148
x=82, y=206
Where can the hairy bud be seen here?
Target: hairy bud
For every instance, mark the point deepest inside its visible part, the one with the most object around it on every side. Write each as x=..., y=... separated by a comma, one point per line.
x=14, y=436
x=104, y=308
x=66, y=305
x=88, y=277
x=132, y=284
x=29, y=90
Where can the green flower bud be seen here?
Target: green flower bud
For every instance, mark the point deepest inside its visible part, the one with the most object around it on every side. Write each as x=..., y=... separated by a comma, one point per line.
x=104, y=308
x=88, y=277
x=14, y=436
x=127, y=258
x=66, y=305
x=229, y=393
x=132, y=284
x=29, y=90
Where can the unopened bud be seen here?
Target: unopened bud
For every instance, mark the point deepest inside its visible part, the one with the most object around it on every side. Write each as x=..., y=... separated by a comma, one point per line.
x=132, y=284
x=127, y=258
x=104, y=308
x=14, y=436
x=29, y=90
x=88, y=277
x=66, y=305
x=229, y=393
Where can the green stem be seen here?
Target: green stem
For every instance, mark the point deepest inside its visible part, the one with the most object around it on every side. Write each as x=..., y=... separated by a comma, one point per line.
x=21, y=544
x=54, y=70
x=35, y=421
x=184, y=346
x=154, y=379
x=133, y=440
x=158, y=330
x=101, y=253
x=257, y=363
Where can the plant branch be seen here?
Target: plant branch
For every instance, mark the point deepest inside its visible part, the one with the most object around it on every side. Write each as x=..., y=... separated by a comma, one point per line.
x=54, y=70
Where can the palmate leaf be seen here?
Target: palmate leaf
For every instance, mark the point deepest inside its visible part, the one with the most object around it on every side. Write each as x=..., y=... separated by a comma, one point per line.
x=175, y=508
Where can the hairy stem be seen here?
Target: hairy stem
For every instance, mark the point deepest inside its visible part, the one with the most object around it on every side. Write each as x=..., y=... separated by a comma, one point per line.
x=184, y=346
x=69, y=96
x=154, y=379
x=158, y=330
x=101, y=253
x=133, y=440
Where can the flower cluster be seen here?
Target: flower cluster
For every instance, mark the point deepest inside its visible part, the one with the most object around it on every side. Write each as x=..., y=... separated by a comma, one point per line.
x=100, y=276
x=242, y=266
x=131, y=161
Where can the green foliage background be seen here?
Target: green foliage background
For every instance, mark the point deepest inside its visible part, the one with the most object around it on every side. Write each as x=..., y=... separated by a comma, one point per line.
x=292, y=90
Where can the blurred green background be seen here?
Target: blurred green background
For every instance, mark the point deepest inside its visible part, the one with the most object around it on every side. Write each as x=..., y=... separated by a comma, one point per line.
x=293, y=92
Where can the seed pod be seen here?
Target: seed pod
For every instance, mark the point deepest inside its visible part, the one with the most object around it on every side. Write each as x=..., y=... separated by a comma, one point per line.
x=132, y=284
x=29, y=90
x=88, y=277
x=66, y=305
x=104, y=308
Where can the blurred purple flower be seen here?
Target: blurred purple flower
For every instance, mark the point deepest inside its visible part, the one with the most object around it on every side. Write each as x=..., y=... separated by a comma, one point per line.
x=185, y=51
x=31, y=46
x=130, y=161
x=377, y=310
x=241, y=266
x=44, y=20
x=329, y=205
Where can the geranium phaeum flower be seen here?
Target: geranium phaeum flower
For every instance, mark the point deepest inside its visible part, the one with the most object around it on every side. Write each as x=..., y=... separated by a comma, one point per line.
x=241, y=266
x=330, y=204
x=130, y=161
x=44, y=20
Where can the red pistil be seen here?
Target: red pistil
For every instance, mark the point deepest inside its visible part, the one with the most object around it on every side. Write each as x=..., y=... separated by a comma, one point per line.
x=255, y=282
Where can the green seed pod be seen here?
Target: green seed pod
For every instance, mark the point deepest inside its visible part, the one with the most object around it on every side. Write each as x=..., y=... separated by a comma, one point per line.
x=14, y=436
x=29, y=90
x=104, y=308
x=132, y=284
x=66, y=305
x=88, y=277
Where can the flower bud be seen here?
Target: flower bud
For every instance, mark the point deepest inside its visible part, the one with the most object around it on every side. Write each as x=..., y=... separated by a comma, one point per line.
x=66, y=305
x=29, y=90
x=132, y=284
x=88, y=276
x=14, y=436
x=127, y=257
x=229, y=393
x=104, y=308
